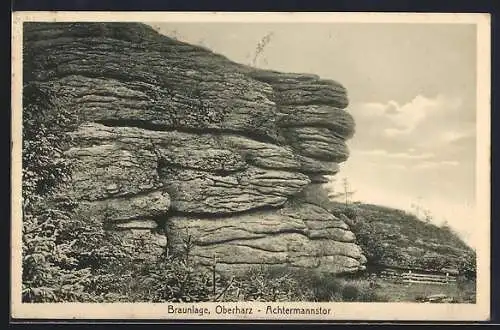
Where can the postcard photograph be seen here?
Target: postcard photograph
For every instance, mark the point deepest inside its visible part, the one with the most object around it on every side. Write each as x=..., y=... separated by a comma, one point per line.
x=250, y=166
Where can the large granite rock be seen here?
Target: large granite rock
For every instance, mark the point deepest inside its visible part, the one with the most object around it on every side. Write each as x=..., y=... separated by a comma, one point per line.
x=300, y=235
x=175, y=140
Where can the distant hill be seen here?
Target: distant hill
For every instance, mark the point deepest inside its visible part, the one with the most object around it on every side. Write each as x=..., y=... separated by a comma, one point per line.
x=395, y=237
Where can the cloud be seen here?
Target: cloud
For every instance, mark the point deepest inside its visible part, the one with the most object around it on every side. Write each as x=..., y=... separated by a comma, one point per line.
x=393, y=132
x=410, y=160
x=398, y=155
x=397, y=167
x=418, y=160
x=392, y=108
x=441, y=125
x=423, y=147
x=455, y=136
x=406, y=118
x=433, y=165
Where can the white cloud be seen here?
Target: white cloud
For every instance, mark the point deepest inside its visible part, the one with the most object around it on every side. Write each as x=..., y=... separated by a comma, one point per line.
x=394, y=120
x=433, y=165
x=454, y=136
x=407, y=117
x=397, y=155
x=440, y=125
x=450, y=136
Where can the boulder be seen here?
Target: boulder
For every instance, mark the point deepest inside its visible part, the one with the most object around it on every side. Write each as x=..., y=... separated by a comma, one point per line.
x=295, y=235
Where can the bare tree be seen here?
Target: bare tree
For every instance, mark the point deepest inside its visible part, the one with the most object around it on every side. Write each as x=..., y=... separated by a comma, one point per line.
x=261, y=46
x=347, y=191
x=345, y=194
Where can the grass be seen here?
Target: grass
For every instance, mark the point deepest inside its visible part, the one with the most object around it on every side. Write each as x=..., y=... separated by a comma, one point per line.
x=411, y=292
x=292, y=285
x=303, y=285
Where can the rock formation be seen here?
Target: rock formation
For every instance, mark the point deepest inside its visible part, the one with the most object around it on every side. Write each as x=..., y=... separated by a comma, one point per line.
x=176, y=140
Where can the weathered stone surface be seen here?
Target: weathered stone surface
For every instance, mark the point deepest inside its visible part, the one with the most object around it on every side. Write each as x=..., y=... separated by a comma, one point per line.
x=338, y=120
x=199, y=171
x=148, y=205
x=172, y=89
x=299, y=89
x=318, y=179
x=209, y=152
x=150, y=244
x=137, y=224
x=295, y=235
x=108, y=170
x=172, y=131
x=318, y=142
x=205, y=152
x=201, y=192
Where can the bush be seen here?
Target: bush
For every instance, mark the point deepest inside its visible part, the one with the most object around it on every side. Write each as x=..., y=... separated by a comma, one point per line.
x=371, y=296
x=351, y=212
x=45, y=124
x=350, y=292
x=282, y=284
x=51, y=269
x=467, y=266
x=64, y=255
x=323, y=287
x=168, y=280
x=268, y=283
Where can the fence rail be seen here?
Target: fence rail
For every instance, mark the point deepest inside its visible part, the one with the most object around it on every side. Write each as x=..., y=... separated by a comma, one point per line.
x=428, y=278
x=410, y=277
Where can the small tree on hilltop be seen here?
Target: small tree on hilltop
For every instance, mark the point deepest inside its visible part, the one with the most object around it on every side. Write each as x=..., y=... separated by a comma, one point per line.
x=345, y=194
x=420, y=212
x=427, y=216
x=347, y=191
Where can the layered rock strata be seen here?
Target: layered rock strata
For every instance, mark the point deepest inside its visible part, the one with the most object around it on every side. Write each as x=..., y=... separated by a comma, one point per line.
x=176, y=140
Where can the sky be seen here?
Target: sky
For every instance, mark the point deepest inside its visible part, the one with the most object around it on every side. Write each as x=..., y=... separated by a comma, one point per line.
x=412, y=92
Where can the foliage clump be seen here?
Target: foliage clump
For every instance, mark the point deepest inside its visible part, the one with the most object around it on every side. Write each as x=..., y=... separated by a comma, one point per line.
x=63, y=255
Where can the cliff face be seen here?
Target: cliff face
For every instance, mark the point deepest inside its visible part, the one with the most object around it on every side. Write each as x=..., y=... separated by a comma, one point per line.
x=178, y=141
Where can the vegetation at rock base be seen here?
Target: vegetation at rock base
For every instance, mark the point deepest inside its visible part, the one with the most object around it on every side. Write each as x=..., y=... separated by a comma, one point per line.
x=63, y=256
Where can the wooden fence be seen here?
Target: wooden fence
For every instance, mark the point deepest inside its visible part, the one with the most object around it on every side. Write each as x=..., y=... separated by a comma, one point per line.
x=427, y=278
x=415, y=277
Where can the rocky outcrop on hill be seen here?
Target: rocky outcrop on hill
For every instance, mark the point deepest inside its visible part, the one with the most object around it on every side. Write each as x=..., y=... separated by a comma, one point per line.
x=177, y=141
